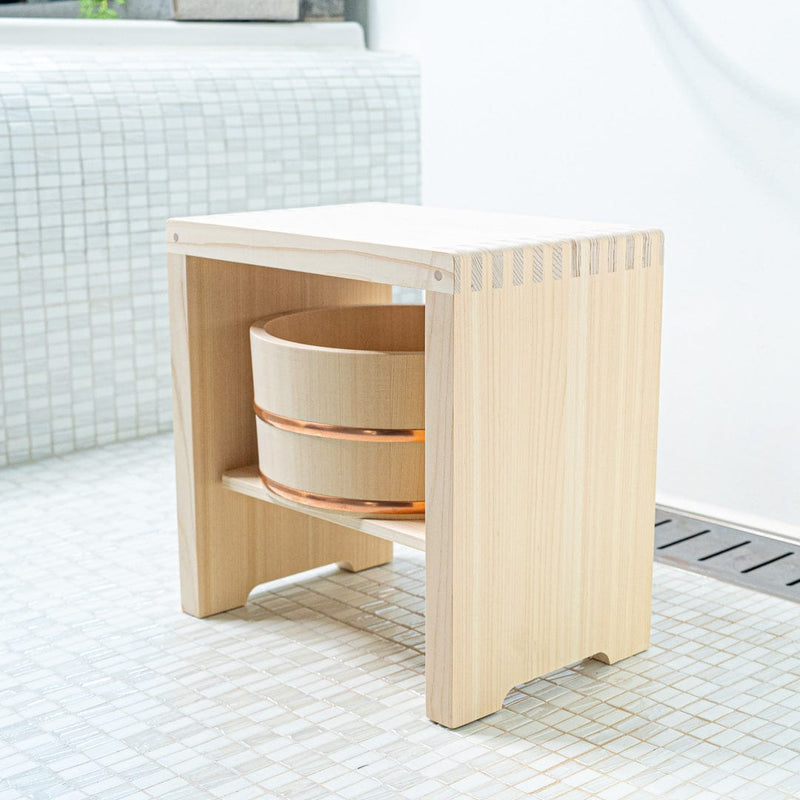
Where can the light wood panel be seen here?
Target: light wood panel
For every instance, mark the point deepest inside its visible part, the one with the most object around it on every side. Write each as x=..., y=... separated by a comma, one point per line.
x=229, y=543
x=383, y=242
x=542, y=440
x=409, y=532
x=273, y=238
x=443, y=619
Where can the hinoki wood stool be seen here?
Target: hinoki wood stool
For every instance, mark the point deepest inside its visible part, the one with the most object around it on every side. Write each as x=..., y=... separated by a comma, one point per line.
x=541, y=400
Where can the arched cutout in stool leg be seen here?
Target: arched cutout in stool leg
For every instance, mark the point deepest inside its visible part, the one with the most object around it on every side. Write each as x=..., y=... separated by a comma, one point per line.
x=603, y=657
x=383, y=555
x=613, y=656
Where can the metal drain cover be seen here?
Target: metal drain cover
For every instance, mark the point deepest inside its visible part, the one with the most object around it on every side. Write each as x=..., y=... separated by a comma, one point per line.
x=747, y=559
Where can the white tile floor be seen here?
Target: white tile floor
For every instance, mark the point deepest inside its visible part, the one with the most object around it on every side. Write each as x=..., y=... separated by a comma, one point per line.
x=315, y=688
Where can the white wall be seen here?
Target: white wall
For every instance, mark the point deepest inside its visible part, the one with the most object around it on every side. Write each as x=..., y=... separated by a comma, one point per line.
x=683, y=116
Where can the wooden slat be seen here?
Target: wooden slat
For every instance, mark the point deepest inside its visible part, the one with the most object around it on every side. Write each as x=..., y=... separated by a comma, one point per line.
x=411, y=533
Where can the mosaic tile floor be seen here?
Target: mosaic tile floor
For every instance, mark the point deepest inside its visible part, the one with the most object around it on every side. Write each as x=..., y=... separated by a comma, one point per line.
x=315, y=688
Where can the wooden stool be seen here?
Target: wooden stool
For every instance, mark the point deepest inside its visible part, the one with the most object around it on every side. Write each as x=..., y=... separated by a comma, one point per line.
x=541, y=400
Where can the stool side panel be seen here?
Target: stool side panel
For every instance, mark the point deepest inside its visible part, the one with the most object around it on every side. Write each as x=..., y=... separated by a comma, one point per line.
x=548, y=548
x=230, y=543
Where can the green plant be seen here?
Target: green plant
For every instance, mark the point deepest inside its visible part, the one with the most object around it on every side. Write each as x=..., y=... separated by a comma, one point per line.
x=99, y=9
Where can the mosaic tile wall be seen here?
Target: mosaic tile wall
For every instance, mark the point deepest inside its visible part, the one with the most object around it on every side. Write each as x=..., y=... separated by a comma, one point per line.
x=98, y=149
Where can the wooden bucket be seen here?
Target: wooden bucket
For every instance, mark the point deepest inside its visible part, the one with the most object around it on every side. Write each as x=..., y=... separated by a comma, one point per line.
x=339, y=396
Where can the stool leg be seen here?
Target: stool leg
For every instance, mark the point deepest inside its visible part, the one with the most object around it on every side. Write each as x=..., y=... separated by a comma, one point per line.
x=541, y=409
x=230, y=543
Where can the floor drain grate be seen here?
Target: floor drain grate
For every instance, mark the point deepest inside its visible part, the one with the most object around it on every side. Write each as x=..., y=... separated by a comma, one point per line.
x=747, y=559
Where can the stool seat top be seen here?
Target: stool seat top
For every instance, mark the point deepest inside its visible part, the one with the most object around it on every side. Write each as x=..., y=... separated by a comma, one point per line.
x=412, y=246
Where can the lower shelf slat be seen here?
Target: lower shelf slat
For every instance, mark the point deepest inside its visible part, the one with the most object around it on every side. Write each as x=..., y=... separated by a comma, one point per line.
x=411, y=533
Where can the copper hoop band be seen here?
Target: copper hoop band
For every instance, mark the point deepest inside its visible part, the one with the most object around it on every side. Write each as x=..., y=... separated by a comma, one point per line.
x=332, y=503
x=339, y=431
